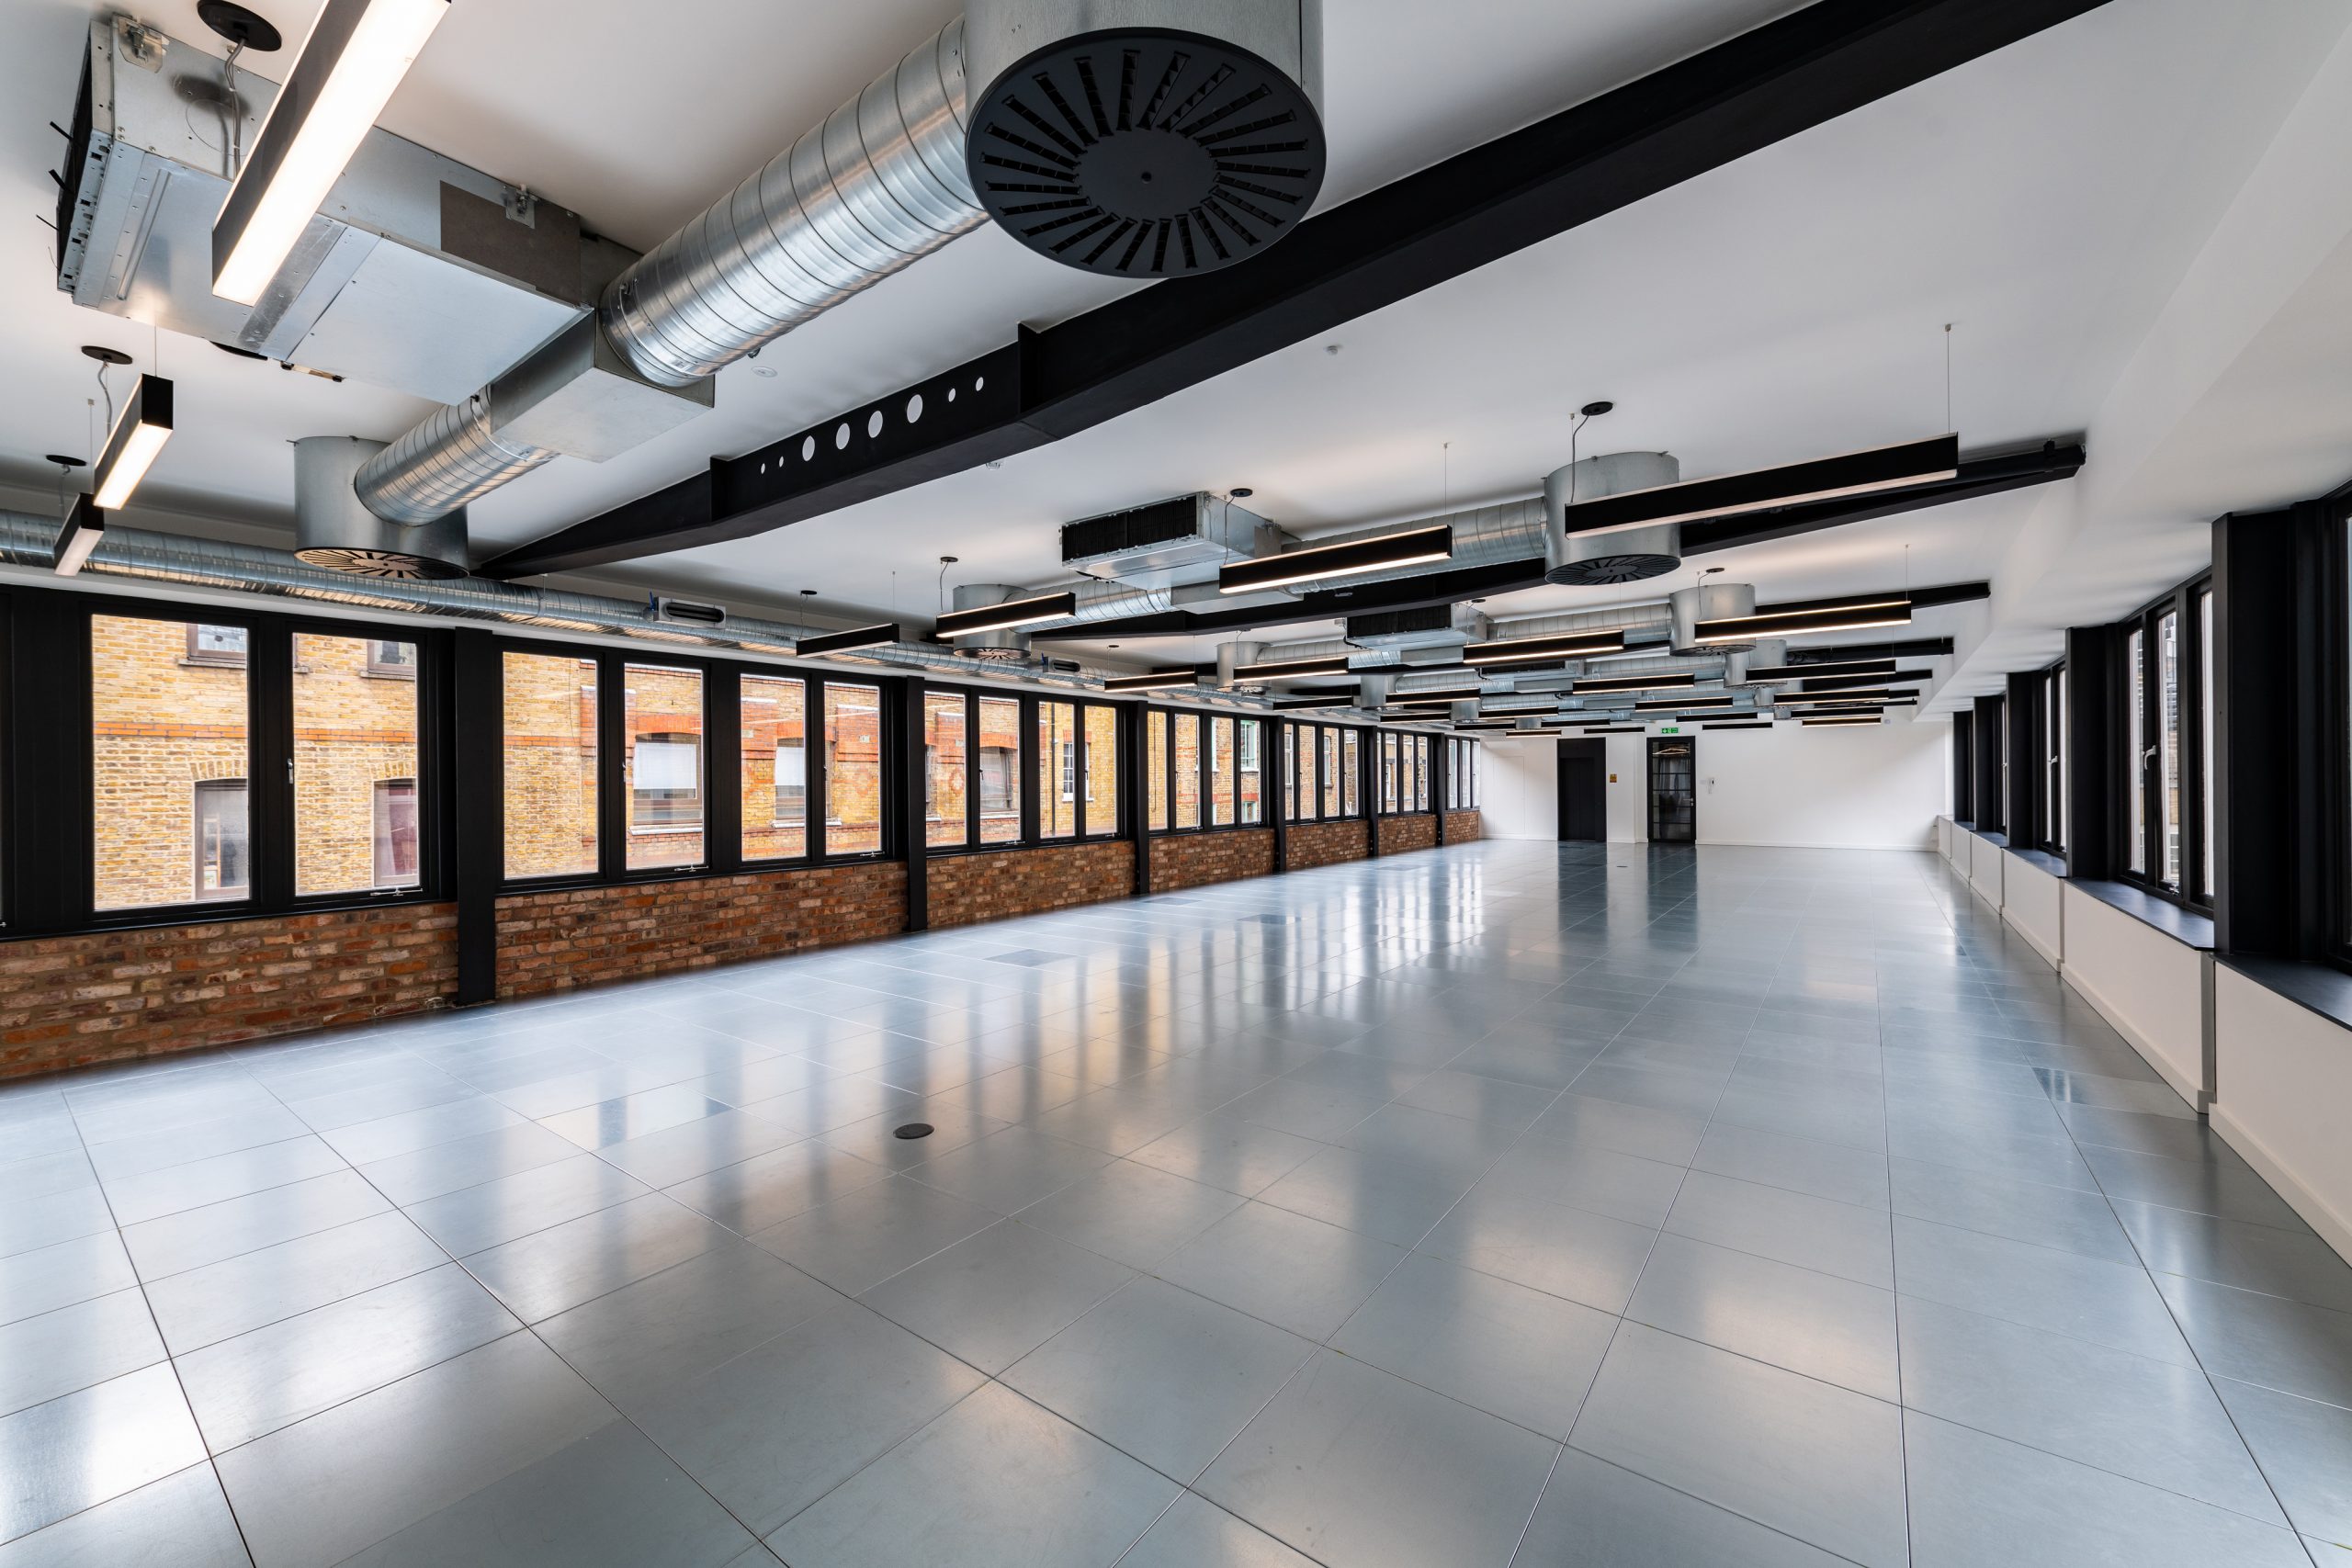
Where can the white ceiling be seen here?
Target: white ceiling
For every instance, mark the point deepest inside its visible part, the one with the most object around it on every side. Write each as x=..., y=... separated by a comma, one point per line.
x=2046, y=200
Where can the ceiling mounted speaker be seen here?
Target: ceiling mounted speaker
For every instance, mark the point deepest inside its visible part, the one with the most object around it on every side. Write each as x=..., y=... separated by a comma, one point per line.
x=1145, y=138
x=333, y=530
x=1624, y=555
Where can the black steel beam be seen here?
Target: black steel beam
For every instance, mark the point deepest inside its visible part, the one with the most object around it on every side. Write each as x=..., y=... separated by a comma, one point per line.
x=1696, y=115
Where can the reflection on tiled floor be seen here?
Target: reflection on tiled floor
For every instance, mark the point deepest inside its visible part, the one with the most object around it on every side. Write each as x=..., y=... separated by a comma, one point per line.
x=1508, y=1203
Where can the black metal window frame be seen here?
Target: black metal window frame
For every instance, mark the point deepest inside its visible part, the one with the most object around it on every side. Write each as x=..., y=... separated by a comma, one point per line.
x=1033, y=782
x=48, y=853
x=2143, y=772
x=1270, y=800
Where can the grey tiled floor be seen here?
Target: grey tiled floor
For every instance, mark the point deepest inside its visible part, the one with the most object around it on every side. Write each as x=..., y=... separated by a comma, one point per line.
x=1508, y=1203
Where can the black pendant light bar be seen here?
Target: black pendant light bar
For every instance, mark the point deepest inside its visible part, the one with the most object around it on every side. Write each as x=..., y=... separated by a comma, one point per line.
x=1544, y=665
x=1616, y=730
x=1791, y=484
x=1831, y=721
x=1669, y=703
x=85, y=530
x=841, y=642
x=1816, y=615
x=1154, y=680
x=1833, y=667
x=1006, y=617
x=1286, y=703
x=1415, y=546
x=1852, y=695
x=1840, y=683
x=139, y=434
x=1582, y=686
x=1291, y=669
x=1570, y=645
x=1739, y=724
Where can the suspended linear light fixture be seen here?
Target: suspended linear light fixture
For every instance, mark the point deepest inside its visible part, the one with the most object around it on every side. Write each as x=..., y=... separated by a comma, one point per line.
x=139, y=434
x=1635, y=683
x=85, y=530
x=841, y=642
x=1614, y=729
x=1791, y=484
x=1738, y=724
x=1001, y=617
x=1326, y=701
x=1153, y=680
x=1415, y=546
x=1811, y=672
x=1856, y=695
x=1842, y=719
x=1813, y=615
x=1672, y=702
x=1843, y=682
x=1290, y=669
x=1574, y=645
x=356, y=53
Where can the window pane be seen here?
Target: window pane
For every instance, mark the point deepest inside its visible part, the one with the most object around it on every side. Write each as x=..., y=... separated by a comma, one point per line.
x=1188, y=770
x=2205, y=759
x=1330, y=753
x=661, y=770
x=1420, y=772
x=1155, y=729
x=392, y=853
x=551, y=756
x=1102, y=770
x=945, y=759
x=1290, y=772
x=1351, y=759
x=1387, y=772
x=2169, y=824
x=774, y=712
x=1057, y=763
x=355, y=730
x=852, y=770
x=168, y=763
x=1250, y=739
x=2135, y=767
x=1000, y=770
x=1221, y=772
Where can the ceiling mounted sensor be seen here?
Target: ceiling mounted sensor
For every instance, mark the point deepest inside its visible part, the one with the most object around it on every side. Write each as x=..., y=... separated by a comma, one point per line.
x=1383, y=552
x=1527, y=649
x=1792, y=484
x=354, y=57
x=1118, y=137
x=1716, y=626
x=1154, y=680
x=333, y=529
x=139, y=434
x=1574, y=556
x=842, y=642
x=1690, y=610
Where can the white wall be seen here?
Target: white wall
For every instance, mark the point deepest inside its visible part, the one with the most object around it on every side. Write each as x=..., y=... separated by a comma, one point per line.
x=2282, y=1078
x=2150, y=987
x=2033, y=901
x=1863, y=787
x=1519, y=789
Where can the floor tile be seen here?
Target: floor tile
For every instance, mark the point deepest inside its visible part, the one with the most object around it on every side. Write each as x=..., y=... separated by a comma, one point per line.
x=1596, y=1514
x=664, y=1330
x=29, y=1224
x=860, y=1239
x=2062, y=1217
x=181, y=1521
x=1402, y=1477
x=510, y=1207
x=2305, y=1450
x=2265, y=1340
x=1394, y=1199
x=1010, y=1169
x=996, y=1482
x=1160, y=1374
x=413, y=1178
x=770, y=1189
x=1197, y=1533
x=178, y=1188
x=556, y=1269
x=1295, y=1272
x=1823, y=1464
x=1583, y=1175
x=1836, y=1171
x=222, y=1299
x=1820, y=1324
x=1221, y=1151
x=2082, y=1298
x=63, y=1273
x=69, y=1349
x=197, y=1236
x=1548, y=1247
x=2293, y=1264
x=994, y=1297
x=92, y=1446
x=1671, y=1136
x=2223, y=1185
x=1789, y=1227
x=1131, y=1213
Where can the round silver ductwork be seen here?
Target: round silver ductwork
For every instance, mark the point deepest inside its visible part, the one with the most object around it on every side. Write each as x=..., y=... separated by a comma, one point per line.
x=334, y=529
x=1145, y=138
x=1709, y=602
x=1008, y=646
x=1234, y=656
x=1628, y=555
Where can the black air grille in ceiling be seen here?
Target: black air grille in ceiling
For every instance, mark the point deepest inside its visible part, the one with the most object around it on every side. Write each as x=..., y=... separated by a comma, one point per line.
x=1137, y=528
x=1396, y=623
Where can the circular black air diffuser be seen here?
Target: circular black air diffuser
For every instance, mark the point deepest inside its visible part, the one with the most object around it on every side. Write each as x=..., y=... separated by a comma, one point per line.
x=1146, y=153
x=1633, y=567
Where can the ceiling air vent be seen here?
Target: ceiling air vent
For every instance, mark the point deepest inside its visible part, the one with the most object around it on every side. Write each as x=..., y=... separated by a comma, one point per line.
x=1148, y=148
x=1180, y=540
x=1432, y=626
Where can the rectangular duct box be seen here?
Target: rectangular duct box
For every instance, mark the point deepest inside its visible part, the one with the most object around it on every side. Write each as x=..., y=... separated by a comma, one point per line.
x=400, y=282
x=1432, y=626
x=1183, y=541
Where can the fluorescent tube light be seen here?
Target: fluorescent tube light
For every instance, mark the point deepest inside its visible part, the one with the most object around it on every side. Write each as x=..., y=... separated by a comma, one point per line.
x=139, y=434
x=1738, y=724
x=85, y=530
x=1791, y=484
x=1574, y=645
x=1846, y=719
x=1856, y=695
x=1153, y=680
x=1671, y=703
x=1788, y=620
x=1006, y=617
x=1328, y=702
x=1635, y=683
x=354, y=57
x=1290, y=669
x=840, y=642
x=1811, y=672
x=1845, y=682
x=1415, y=546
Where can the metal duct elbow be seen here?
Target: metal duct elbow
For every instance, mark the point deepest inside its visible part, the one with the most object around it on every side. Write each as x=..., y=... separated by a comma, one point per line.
x=448, y=462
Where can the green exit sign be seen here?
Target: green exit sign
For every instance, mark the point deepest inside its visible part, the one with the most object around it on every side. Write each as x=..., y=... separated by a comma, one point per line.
x=1669, y=730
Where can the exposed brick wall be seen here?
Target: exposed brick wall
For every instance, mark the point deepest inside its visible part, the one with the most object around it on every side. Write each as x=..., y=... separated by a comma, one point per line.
x=1462, y=828
x=1398, y=834
x=589, y=936
x=1194, y=860
x=110, y=995
x=965, y=889
x=1328, y=843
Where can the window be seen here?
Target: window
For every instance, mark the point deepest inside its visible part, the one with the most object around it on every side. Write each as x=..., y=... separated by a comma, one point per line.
x=772, y=711
x=2206, y=747
x=1309, y=795
x=1348, y=760
x=999, y=736
x=2167, y=766
x=1420, y=772
x=1387, y=772
x=1472, y=748
x=216, y=645
x=1155, y=733
x=161, y=722
x=852, y=770
x=223, y=864
x=945, y=758
x=396, y=661
x=1290, y=772
x=550, y=764
x=1101, y=769
x=661, y=770
x=2137, y=753
x=2051, y=728
x=1058, y=765
x=1247, y=742
x=351, y=737
x=394, y=850
x=1188, y=770
x=1330, y=773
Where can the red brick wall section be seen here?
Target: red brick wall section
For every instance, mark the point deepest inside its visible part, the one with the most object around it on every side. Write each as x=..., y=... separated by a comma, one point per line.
x=591, y=936
x=965, y=889
x=1398, y=834
x=1195, y=860
x=111, y=996
x=1327, y=843
x=1462, y=828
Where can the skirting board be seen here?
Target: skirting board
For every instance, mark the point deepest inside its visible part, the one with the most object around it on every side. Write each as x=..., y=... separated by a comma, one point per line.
x=2188, y=1088
x=2049, y=955
x=2333, y=1228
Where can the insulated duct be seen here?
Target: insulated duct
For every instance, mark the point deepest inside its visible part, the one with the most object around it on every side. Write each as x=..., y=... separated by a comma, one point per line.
x=1628, y=555
x=1709, y=602
x=1010, y=646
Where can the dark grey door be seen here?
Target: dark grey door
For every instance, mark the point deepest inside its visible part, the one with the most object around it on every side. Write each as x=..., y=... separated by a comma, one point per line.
x=1584, y=810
